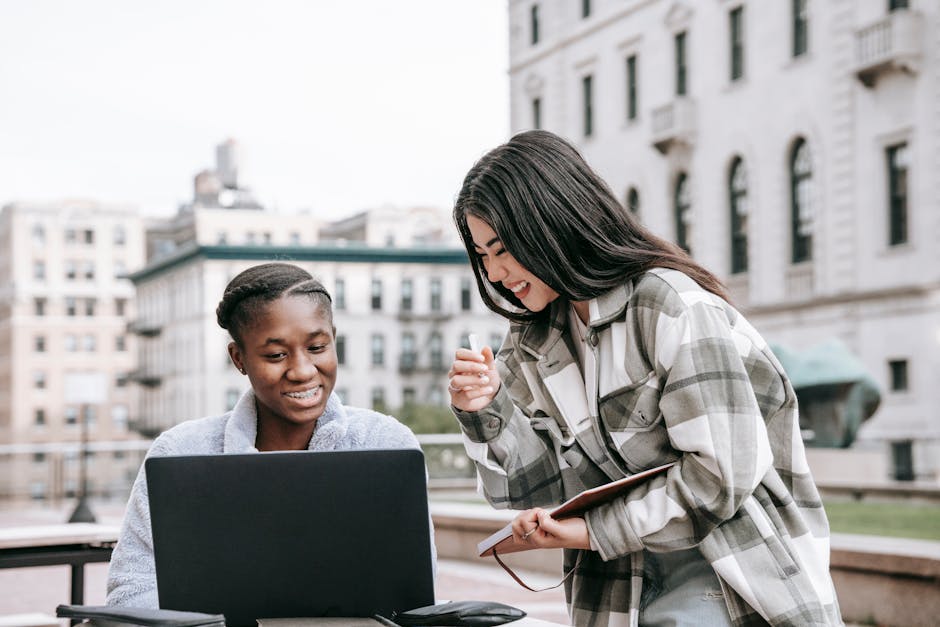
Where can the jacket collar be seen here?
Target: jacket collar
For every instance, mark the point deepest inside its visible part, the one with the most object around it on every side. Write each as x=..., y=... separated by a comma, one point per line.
x=241, y=429
x=539, y=339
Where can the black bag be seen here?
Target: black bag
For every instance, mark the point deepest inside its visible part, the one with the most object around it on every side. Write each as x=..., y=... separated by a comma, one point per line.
x=459, y=614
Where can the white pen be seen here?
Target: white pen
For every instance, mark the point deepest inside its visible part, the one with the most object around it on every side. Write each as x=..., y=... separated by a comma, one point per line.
x=474, y=343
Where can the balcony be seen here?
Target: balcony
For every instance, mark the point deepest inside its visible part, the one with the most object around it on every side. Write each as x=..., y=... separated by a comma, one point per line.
x=892, y=44
x=143, y=328
x=407, y=315
x=144, y=378
x=673, y=124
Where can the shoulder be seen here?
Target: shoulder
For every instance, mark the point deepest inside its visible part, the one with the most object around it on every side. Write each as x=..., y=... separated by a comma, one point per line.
x=672, y=292
x=373, y=429
x=202, y=436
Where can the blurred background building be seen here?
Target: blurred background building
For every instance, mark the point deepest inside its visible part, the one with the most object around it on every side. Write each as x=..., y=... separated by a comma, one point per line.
x=65, y=301
x=788, y=146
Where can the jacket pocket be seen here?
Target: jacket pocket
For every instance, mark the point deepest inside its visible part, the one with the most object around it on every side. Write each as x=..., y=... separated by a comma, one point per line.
x=635, y=406
x=634, y=425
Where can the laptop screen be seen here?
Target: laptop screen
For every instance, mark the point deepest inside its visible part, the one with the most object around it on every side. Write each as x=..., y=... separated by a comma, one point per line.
x=291, y=534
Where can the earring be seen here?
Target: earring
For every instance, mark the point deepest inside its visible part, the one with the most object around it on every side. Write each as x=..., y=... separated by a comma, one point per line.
x=242, y=370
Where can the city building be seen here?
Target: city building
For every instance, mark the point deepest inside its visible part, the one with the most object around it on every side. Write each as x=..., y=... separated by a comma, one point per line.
x=65, y=301
x=790, y=147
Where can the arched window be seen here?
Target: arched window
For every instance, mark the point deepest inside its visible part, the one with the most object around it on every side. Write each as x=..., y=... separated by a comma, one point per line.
x=683, y=212
x=801, y=202
x=633, y=201
x=737, y=200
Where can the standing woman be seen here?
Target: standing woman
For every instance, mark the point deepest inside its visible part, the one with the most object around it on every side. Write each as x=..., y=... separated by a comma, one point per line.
x=281, y=322
x=624, y=354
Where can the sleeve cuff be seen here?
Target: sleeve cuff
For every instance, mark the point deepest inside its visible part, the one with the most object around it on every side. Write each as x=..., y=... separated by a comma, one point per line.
x=611, y=535
x=486, y=424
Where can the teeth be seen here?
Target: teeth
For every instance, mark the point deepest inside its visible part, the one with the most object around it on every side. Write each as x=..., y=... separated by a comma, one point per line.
x=301, y=395
x=518, y=288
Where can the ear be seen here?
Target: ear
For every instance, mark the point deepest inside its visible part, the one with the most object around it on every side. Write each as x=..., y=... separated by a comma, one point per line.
x=236, y=356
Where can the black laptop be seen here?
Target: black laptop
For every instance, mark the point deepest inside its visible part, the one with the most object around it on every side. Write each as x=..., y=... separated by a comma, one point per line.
x=291, y=534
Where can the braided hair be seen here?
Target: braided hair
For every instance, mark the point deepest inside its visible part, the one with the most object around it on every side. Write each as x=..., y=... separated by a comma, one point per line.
x=252, y=290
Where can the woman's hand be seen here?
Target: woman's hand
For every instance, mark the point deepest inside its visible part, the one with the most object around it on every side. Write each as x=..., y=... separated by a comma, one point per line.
x=536, y=528
x=473, y=380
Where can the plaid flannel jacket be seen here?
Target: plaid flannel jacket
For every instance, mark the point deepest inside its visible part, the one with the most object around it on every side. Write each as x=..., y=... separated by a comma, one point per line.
x=681, y=376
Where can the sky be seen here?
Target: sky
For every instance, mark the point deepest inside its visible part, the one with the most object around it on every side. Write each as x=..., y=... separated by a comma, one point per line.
x=337, y=107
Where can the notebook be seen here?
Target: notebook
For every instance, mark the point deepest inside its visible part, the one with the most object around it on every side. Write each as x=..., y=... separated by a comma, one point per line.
x=291, y=534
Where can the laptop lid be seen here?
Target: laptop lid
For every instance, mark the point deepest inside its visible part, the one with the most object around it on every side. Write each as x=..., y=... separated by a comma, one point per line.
x=291, y=534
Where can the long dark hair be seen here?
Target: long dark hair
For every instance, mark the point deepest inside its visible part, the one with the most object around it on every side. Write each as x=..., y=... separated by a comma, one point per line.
x=556, y=216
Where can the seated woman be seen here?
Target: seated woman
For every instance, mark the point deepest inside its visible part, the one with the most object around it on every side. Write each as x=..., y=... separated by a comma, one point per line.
x=281, y=322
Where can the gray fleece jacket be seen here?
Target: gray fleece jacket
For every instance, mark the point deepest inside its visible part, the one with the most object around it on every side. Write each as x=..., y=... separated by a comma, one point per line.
x=131, y=578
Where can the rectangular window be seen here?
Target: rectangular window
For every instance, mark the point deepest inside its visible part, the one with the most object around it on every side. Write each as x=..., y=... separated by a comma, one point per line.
x=71, y=415
x=39, y=417
x=89, y=343
x=39, y=270
x=536, y=113
x=39, y=307
x=378, y=349
x=71, y=269
x=378, y=399
x=120, y=306
x=231, y=398
x=800, y=28
x=534, y=23
x=631, y=87
x=39, y=235
x=341, y=349
x=587, y=97
x=436, y=291
x=120, y=343
x=408, y=397
x=339, y=294
x=585, y=8
x=71, y=306
x=409, y=358
x=119, y=415
x=897, y=157
x=407, y=294
x=71, y=236
x=680, y=64
x=88, y=270
x=465, y=294
x=39, y=380
x=736, y=18
x=120, y=235
x=71, y=343
x=436, y=350
x=894, y=5
x=90, y=304
x=898, y=373
x=88, y=236
x=40, y=343
x=376, y=294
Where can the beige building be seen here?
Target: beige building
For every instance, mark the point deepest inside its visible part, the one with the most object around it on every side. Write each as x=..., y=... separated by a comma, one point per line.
x=65, y=301
x=790, y=146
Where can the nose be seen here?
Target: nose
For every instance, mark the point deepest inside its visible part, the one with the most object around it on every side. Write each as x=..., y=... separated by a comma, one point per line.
x=495, y=270
x=302, y=367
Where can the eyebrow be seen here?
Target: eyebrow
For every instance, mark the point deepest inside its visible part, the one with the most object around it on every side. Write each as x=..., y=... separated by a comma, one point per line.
x=278, y=340
x=488, y=244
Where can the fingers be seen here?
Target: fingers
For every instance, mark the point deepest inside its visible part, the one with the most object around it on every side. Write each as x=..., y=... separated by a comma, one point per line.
x=472, y=380
x=526, y=524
